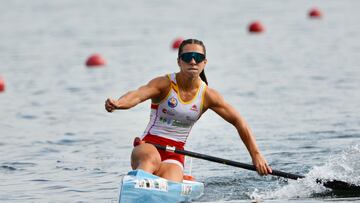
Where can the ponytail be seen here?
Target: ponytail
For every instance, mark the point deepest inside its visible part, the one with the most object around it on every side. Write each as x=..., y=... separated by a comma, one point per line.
x=203, y=77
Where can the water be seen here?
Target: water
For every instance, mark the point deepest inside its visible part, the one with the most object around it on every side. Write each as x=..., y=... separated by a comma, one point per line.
x=296, y=85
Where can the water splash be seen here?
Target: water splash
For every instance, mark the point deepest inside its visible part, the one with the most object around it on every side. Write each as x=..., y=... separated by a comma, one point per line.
x=343, y=166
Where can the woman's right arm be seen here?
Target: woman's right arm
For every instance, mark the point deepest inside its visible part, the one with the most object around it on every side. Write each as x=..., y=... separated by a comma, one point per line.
x=153, y=90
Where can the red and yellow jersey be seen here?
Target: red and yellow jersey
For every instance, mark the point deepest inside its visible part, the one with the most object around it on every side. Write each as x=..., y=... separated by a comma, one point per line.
x=173, y=118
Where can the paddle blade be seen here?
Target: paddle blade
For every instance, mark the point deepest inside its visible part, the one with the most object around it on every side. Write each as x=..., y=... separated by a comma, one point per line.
x=339, y=185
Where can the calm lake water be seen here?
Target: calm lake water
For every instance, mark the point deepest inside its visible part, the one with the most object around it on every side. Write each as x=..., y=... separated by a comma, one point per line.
x=296, y=84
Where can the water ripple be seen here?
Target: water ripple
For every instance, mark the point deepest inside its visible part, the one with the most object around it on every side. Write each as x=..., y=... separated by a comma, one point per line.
x=10, y=168
x=26, y=116
x=68, y=141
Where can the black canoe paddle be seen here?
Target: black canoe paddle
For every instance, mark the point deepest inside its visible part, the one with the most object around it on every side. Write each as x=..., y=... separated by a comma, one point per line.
x=335, y=185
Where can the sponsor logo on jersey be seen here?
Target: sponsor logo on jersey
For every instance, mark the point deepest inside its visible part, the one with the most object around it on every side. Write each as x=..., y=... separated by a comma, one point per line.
x=172, y=102
x=194, y=108
x=170, y=112
x=190, y=119
x=165, y=120
x=173, y=122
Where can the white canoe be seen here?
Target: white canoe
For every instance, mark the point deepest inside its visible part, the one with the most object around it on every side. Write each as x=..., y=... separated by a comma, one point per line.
x=139, y=186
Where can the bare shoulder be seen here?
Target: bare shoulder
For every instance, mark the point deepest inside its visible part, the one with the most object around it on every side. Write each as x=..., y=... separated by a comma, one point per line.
x=212, y=98
x=160, y=85
x=159, y=82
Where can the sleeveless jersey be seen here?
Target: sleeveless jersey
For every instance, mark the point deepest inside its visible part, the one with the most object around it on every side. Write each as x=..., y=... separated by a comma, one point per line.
x=173, y=118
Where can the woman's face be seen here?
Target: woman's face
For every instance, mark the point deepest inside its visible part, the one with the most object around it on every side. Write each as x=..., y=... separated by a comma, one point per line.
x=192, y=69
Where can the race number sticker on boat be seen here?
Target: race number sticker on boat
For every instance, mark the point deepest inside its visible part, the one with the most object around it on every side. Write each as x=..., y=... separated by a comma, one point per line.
x=186, y=190
x=150, y=184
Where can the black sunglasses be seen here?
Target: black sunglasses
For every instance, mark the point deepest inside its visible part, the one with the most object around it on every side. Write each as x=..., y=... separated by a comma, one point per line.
x=188, y=56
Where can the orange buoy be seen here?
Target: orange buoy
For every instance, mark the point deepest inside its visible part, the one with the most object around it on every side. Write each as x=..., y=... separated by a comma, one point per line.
x=256, y=27
x=95, y=60
x=176, y=43
x=315, y=13
x=2, y=85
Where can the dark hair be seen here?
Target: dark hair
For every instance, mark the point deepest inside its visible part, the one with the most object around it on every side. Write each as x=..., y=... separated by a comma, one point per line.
x=194, y=41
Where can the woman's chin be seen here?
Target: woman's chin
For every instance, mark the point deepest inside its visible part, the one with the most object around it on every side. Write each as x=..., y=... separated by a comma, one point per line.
x=193, y=73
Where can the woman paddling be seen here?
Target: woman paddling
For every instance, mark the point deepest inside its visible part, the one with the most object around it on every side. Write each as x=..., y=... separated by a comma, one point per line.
x=177, y=102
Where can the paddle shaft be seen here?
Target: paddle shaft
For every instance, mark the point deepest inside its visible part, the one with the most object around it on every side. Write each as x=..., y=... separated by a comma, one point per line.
x=336, y=185
x=225, y=161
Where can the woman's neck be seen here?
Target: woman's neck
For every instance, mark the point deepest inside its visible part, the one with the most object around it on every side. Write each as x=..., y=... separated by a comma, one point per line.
x=187, y=83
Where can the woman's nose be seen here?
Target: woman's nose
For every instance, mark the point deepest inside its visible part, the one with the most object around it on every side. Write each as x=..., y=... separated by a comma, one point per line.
x=192, y=61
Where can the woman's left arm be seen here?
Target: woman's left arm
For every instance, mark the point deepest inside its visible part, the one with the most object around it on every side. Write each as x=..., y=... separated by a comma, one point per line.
x=215, y=102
